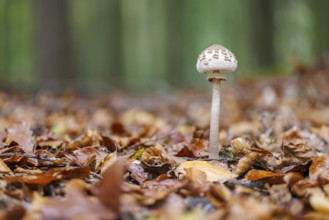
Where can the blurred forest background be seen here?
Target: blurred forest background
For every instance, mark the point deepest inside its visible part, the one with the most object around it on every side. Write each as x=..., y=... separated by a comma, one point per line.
x=151, y=45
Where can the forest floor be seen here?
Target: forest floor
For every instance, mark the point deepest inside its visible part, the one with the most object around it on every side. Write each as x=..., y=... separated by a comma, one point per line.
x=117, y=157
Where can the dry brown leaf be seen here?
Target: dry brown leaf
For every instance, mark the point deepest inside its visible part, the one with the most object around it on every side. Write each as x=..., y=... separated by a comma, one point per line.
x=76, y=184
x=199, y=147
x=136, y=170
x=213, y=173
x=264, y=176
x=109, y=143
x=240, y=146
x=219, y=195
x=301, y=152
x=197, y=181
x=292, y=177
x=51, y=175
x=22, y=135
x=249, y=208
x=174, y=206
x=185, y=152
x=156, y=160
x=323, y=132
x=292, y=135
x=88, y=155
x=319, y=167
x=108, y=190
x=4, y=168
x=318, y=199
x=49, y=143
x=154, y=156
x=246, y=162
x=76, y=205
x=108, y=161
x=11, y=208
x=158, y=189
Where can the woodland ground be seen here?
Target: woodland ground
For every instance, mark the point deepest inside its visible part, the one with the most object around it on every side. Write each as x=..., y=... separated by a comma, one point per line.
x=117, y=157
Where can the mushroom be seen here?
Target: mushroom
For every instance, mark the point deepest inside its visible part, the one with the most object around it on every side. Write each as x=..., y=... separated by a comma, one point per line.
x=214, y=61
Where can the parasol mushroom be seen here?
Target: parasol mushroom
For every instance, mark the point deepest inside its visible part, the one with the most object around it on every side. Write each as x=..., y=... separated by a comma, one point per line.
x=214, y=61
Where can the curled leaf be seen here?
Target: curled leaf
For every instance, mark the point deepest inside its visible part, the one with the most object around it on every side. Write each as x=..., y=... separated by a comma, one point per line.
x=240, y=146
x=246, y=162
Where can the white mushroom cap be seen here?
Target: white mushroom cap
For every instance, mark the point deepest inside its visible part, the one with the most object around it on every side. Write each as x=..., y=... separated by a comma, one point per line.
x=216, y=59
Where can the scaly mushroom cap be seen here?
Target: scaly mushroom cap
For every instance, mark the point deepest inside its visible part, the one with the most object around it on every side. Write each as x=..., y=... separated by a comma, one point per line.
x=216, y=59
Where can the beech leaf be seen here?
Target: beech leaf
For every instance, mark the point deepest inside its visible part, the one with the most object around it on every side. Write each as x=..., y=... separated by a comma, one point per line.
x=213, y=172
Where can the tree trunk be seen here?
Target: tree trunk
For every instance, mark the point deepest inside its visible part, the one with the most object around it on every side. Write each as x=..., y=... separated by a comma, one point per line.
x=117, y=74
x=321, y=32
x=54, y=59
x=5, y=71
x=175, y=42
x=262, y=31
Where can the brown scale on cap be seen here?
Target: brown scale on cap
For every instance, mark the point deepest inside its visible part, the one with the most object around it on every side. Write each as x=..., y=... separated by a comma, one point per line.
x=215, y=56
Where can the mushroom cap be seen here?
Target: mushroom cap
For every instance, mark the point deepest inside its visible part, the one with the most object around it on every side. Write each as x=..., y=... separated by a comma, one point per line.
x=216, y=57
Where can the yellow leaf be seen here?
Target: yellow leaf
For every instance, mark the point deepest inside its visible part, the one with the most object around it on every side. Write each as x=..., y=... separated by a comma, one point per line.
x=213, y=173
x=318, y=200
x=4, y=168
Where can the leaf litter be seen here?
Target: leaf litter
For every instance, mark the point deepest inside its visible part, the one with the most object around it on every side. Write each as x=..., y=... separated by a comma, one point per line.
x=119, y=157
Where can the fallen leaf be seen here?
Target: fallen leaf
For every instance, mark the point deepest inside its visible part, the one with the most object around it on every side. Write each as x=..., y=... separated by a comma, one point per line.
x=109, y=143
x=300, y=152
x=84, y=156
x=213, y=173
x=197, y=181
x=240, y=146
x=318, y=200
x=4, y=168
x=158, y=189
x=108, y=190
x=108, y=161
x=22, y=135
x=136, y=170
x=199, y=147
x=51, y=175
x=249, y=208
x=319, y=167
x=219, y=194
x=11, y=208
x=76, y=205
x=155, y=160
x=264, y=176
x=154, y=156
x=246, y=162
x=323, y=132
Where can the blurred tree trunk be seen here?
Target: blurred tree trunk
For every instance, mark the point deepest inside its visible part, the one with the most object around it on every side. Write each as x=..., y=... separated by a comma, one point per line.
x=175, y=42
x=262, y=31
x=321, y=20
x=53, y=44
x=4, y=28
x=116, y=45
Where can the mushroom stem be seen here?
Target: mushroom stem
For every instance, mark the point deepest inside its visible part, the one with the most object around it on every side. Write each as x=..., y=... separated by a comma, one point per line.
x=214, y=120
